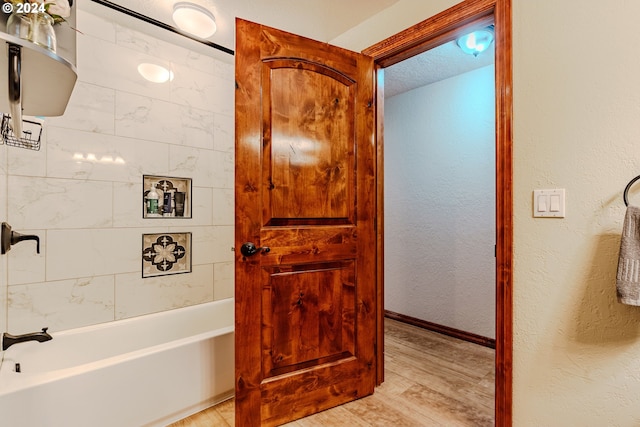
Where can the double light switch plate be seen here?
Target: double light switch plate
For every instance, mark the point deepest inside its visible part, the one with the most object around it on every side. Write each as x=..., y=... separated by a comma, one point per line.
x=549, y=203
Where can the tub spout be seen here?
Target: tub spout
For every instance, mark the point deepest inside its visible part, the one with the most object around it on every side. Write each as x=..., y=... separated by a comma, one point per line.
x=8, y=340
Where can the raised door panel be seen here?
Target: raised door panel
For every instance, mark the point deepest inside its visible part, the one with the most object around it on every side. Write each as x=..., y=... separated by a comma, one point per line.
x=308, y=137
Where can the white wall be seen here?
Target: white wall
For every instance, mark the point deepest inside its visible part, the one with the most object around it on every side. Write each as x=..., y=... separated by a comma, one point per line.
x=440, y=202
x=576, y=108
x=88, y=213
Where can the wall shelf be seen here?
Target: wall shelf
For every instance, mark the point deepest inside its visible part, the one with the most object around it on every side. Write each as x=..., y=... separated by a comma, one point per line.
x=47, y=78
x=172, y=185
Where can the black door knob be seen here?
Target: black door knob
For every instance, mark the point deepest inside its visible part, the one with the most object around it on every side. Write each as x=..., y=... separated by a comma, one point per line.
x=249, y=249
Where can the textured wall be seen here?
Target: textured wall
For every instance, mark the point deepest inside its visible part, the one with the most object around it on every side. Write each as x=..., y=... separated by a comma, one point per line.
x=88, y=211
x=576, y=109
x=576, y=126
x=440, y=202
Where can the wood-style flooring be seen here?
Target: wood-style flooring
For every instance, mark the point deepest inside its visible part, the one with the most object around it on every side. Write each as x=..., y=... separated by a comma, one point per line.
x=430, y=380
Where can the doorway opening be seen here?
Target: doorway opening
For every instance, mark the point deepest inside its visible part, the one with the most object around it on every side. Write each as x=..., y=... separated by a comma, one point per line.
x=439, y=132
x=444, y=27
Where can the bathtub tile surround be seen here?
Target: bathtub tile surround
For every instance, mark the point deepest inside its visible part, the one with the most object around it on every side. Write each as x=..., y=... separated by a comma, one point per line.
x=166, y=253
x=90, y=109
x=81, y=192
x=77, y=205
x=136, y=295
x=62, y=304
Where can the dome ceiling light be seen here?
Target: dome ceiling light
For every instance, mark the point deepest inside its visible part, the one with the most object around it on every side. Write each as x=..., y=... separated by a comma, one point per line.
x=476, y=42
x=194, y=19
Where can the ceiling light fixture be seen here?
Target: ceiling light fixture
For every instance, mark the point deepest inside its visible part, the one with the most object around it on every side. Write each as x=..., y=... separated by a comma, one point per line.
x=476, y=42
x=155, y=73
x=194, y=19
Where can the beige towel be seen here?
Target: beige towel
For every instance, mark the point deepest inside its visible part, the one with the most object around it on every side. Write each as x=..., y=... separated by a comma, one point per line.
x=628, y=278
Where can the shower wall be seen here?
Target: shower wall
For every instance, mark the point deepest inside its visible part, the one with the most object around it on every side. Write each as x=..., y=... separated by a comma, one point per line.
x=82, y=192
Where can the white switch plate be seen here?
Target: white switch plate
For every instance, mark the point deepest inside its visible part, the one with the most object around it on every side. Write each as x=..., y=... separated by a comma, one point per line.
x=549, y=203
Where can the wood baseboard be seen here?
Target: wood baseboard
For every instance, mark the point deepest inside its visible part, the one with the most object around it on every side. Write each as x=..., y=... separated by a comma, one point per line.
x=446, y=330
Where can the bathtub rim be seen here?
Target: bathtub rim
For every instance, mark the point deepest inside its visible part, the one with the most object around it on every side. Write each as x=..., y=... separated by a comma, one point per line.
x=14, y=382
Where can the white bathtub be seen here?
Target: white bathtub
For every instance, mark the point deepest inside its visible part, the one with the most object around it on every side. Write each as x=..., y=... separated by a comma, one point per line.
x=145, y=371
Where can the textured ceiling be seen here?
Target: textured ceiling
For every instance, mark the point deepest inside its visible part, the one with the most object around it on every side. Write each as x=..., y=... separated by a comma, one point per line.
x=437, y=64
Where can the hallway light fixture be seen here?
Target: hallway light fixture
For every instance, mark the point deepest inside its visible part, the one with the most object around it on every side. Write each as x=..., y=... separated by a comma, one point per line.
x=476, y=42
x=194, y=19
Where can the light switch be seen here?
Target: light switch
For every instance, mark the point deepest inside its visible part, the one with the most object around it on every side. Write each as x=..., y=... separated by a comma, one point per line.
x=549, y=203
x=542, y=203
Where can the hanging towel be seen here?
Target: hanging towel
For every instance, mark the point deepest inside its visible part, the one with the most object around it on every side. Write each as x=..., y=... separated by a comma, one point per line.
x=628, y=277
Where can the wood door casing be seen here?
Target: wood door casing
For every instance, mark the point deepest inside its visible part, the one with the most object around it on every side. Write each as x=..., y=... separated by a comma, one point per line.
x=305, y=188
x=434, y=31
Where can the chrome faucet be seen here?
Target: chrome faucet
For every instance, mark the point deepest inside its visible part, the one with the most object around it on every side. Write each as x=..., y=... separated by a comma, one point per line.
x=8, y=340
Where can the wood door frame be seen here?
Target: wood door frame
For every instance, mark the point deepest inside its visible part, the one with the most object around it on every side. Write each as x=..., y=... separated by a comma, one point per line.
x=443, y=27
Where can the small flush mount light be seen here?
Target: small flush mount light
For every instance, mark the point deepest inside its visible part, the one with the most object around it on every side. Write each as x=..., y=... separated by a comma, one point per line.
x=476, y=42
x=155, y=73
x=194, y=19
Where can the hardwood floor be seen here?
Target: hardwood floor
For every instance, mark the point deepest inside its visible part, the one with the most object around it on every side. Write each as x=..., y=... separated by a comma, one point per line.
x=430, y=380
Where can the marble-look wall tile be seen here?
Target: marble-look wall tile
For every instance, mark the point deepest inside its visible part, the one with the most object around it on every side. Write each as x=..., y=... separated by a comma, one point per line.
x=201, y=206
x=91, y=108
x=194, y=163
x=225, y=69
x=106, y=64
x=91, y=25
x=223, y=101
x=3, y=181
x=195, y=88
x=3, y=160
x=25, y=265
x=224, y=237
x=148, y=118
x=59, y=203
x=223, y=169
x=28, y=162
x=88, y=252
x=3, y=295
x=85, y=155
x=128, y=206
x=223, y=133
x=223, y=206
x=136, y=296
x=223, y=283
x=202, y=242
x=153, y=119
x=196, y=128
x=61, y=305
x=145, y=43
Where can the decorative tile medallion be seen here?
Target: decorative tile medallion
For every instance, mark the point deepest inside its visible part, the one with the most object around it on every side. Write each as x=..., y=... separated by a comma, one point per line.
x=166, y=253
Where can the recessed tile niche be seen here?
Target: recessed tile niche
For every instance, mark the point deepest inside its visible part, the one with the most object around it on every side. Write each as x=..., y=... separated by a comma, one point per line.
x=173, y=197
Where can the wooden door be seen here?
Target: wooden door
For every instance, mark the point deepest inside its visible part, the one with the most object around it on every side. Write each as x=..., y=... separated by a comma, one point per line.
x=305, y=189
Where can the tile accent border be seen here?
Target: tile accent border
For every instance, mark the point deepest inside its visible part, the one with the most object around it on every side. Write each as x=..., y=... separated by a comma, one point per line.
x=165, y=254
